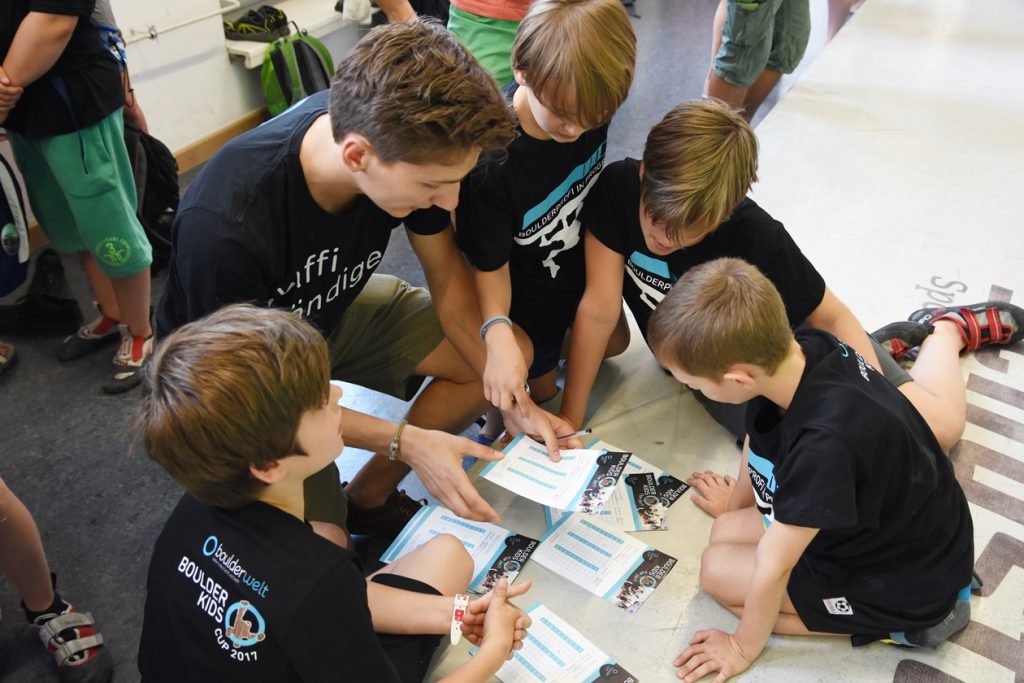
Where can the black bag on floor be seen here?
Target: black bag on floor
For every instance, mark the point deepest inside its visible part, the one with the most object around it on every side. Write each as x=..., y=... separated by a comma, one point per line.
x=13, y=231
x=156, y=186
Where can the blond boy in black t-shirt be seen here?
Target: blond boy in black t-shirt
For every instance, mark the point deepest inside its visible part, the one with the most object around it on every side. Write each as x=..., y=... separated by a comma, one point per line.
x=852, y=521
x=685, y=204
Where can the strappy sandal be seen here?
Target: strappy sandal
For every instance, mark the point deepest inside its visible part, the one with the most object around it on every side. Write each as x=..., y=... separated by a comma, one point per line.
x=76, y=646
x=900, y=338
x=990, y=322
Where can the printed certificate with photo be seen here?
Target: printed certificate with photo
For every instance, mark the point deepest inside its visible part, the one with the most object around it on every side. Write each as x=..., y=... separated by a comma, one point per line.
x=497, y=552
x=582, y=480
x=636, y=504
x=555, y=651
x=606, y=561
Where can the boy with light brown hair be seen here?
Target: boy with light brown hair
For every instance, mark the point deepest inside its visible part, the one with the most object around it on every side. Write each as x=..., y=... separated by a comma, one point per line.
x=238, y=408
x=518, y=219
x=851, y=520
x=298, y=213
x=685, y=204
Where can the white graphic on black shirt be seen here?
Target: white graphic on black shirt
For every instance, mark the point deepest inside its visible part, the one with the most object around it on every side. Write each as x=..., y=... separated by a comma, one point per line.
x=555, y=221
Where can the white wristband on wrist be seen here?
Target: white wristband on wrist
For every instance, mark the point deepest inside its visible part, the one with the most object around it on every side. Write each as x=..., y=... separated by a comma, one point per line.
x=458, y=612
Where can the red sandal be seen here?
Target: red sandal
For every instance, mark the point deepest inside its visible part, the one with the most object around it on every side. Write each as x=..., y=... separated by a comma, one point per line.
x=990, y=322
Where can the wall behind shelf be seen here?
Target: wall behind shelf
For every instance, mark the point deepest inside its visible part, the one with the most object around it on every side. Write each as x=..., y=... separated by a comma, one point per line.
x=185, y=81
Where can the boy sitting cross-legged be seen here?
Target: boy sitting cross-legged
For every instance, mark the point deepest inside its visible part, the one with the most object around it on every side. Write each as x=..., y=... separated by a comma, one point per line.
x=852, y=522
x=238, y=409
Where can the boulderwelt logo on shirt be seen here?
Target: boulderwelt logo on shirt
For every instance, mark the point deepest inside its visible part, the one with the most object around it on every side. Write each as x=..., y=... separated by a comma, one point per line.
x=240, y=625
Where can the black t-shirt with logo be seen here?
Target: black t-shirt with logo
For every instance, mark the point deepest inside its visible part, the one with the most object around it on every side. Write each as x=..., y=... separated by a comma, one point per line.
x=90, y=75
x=248, y=230
x=612, y=214
x=853, y=457
x=524, y=211
x=254, y=595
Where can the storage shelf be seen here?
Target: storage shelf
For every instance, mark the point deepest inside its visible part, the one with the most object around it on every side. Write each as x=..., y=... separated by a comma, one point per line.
x=316, y=16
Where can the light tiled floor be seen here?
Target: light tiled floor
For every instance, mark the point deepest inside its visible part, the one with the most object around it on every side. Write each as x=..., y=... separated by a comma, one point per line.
x=895, y=163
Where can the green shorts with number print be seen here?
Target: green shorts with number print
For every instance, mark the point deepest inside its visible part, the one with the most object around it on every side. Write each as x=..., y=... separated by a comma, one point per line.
x=82, y=192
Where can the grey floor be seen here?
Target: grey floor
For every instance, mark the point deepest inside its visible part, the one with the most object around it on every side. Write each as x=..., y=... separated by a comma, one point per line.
x=66, y=450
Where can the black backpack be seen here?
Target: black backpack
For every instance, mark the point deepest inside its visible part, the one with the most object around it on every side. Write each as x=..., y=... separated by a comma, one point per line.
x=14, y=252
x=156, y=186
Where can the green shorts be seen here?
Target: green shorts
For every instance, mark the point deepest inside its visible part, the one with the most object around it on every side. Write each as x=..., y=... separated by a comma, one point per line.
x=759, y=35
x=385, y=333
x=489, y=40
x=82, y=191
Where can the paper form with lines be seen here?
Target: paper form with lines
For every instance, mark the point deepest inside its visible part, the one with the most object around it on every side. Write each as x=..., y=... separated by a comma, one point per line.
x=606, y=561
x=497, y=552
x=582, y=480
x=555, y=652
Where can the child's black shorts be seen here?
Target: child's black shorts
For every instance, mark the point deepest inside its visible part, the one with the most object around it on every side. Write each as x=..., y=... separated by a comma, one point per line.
x=828, y=610
x=410, y=655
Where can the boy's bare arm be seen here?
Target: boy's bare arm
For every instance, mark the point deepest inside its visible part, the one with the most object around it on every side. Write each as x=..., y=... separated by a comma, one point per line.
x=777, y=553
x=435, y=456
x=713, y=650
x=506, y=370
x=596, y=317
x=397, y=10
x=37, y=45
x=452, y=292
x=834, y=317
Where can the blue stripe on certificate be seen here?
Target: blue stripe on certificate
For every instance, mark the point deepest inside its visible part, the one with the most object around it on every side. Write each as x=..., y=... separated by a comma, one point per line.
x=410, y=530
x=463, y=523
x=542, y=466
x=607, y=534
x=590, y=544
x=545, y=649
x=565, y=551
x=535, y=480
x=435, y=532
x=529, y=667
x=561, y=634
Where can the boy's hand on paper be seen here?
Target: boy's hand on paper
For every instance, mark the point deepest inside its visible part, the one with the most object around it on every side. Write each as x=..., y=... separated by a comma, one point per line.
x=538, y=423
x=505, y=380
x=437, y=458
x=493, y=617
x=715, y=490
x=711, y=651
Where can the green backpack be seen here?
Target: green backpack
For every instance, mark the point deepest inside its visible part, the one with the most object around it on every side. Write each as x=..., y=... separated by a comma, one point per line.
x=294, y=68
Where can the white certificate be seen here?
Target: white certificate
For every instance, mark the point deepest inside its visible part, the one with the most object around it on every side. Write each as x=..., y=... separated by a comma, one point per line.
x=606, y=561
x=555, y=652
x=629, y=508
x=583, y=479
x=497, y=552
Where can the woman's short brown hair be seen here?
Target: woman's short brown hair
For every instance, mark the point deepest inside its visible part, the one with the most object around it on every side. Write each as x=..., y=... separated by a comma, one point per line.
x=719, y=314
x=418, y=96
x=578, y=57
x=227, y=392
x=699, y=162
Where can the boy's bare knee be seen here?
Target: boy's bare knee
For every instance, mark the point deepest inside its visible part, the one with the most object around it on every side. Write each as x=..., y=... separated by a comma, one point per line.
x=619, y=341
x=710, y=572
x=456, y=558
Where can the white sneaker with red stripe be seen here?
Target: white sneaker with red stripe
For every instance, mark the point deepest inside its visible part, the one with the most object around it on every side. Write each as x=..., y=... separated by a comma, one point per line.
x=129, y=361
